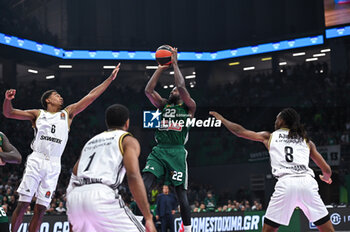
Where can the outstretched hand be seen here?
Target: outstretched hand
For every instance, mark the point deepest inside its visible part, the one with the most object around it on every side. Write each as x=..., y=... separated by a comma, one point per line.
x=216, y=115
x=115, y=72
x=327, y=180
x=174, y=56
x=10, y=94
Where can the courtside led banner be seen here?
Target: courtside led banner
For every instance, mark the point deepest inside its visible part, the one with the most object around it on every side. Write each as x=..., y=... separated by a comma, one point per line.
x=337, y=32
x=150, y=55
x=217, y=222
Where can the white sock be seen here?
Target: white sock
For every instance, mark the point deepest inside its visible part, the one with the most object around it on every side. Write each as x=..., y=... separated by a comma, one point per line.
x=187, y=228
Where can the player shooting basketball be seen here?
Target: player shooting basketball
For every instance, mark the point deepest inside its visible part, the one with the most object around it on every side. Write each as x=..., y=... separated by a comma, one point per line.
x=43, y=166
x=167, y=160
x=290, y=150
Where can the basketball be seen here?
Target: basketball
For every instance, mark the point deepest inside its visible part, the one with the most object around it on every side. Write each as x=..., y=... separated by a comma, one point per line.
x=163, y=55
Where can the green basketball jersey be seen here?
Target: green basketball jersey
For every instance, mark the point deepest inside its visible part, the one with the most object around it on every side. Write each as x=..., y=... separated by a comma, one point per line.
x=3, y=216
x=173, y=130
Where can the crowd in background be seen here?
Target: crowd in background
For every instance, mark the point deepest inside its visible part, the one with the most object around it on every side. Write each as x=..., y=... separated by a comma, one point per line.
x=23, y=25
x=253, y=101
x=201, y=198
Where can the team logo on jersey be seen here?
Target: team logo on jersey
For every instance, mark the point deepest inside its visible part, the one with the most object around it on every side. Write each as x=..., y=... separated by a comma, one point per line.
x=63, y=116
x=47, y=195
x=151, y=119
x=148, y=167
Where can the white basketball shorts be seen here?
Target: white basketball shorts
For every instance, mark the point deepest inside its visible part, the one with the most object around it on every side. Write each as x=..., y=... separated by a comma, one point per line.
x=295, y=191
x=40, y=178
x=95, y=208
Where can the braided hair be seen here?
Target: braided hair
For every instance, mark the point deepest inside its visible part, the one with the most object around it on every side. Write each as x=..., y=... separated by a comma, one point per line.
x=292, y=120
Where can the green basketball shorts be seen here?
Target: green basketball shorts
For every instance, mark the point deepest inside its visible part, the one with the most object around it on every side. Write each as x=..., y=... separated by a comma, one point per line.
x=168, y=163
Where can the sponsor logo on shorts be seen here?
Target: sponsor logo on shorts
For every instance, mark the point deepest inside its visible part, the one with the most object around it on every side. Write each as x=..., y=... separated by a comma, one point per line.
x=335, y=219
x=47, y=195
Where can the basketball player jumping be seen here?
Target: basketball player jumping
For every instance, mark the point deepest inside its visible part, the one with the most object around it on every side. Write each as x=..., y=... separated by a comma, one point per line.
x=43, y=166
x=290, y=150
x=8, y=154
x=167, y=160
x=100, y=170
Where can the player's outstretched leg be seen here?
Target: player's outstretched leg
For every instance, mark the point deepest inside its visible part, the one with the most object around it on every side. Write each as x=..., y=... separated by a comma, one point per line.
x=17, y=216
x=39, y=211
x=326, y=227
x=185, y=208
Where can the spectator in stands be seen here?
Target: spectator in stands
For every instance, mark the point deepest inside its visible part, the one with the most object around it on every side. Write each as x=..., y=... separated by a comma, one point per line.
x=202, y=208
x=254, y=207
x=230, y=207
x=154, y=194
x=4, y=200
x=12, y=204
x=8, y=191
x=210, y=202
x=60, y=209
x=195, y=205
x=52, y=208
x=28, y=211
x=247, y=206
x=166, y=206
x=219, y=209
x=259, y=207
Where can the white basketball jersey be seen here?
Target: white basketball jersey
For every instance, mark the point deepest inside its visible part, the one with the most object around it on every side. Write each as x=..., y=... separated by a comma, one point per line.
x=288, y=156
x=51, y=133
x=101, y=159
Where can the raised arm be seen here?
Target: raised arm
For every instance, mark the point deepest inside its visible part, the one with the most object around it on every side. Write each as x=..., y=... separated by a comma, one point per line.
x=131, y=149
x=152, y=95
x=321, y=163
x=240, y=131
x=10, y=112
x=181, y=86
x=79, y=106
x=8, y=153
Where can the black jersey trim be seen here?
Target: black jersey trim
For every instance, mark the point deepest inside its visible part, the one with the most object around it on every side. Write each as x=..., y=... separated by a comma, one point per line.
x=322, y=220
x=271, y=223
